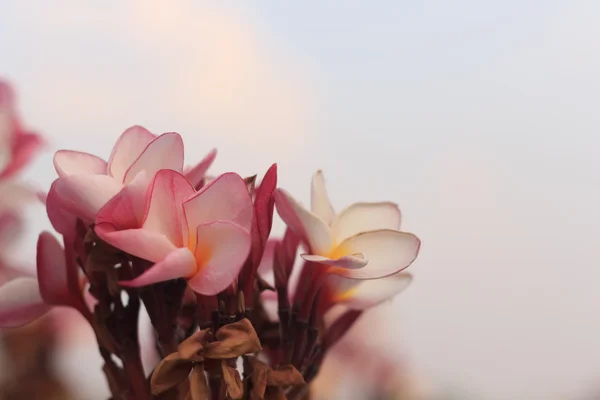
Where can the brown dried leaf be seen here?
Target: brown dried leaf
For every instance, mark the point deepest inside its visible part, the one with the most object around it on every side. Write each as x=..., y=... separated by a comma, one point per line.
x=259, y=378
x=198, y=385
x=169, y=373
x=233, y=340
x=190, y=347
x=285, y=376
x=233, y=381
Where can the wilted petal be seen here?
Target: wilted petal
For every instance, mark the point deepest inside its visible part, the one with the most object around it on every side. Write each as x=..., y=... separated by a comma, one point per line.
x=352, y=262
x=319, y=200
x=196, y=174
x=164, y=152
x=179, y=263
x=221, y=250
x=126, y=209
x=52, y=270
x=20, y=303
x=84, y=195
x=305, y=224
x=169, y=373
x=365, y=217
x=362, y=294
x=165, y=210
x=141, y=242
x=128, y=148
x=388, y=252
x=226, y=198
x=67, y=162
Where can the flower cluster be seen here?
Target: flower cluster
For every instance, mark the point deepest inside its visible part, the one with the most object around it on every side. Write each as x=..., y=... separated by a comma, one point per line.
x=196, y=251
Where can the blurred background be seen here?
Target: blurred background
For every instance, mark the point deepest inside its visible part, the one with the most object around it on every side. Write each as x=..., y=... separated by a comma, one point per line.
x=481, y=119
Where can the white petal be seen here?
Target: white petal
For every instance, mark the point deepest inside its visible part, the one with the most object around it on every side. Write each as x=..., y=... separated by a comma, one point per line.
x=352, y=261
x=319, y=200
x=362, y=294
x=365, y=217
x=67, y=162
x=313, y=230
x=20, y=302
x=388, y=252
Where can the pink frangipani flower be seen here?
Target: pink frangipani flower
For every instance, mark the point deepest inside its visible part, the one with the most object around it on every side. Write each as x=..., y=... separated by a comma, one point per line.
x=86, y=182
x=17, y=146
x=361, y=242
x=202, y=236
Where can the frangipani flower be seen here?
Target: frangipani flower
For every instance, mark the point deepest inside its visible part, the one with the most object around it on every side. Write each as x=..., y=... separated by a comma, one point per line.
x=361, y=242
x=17, y=145
x=86, y=182
x=202, y=236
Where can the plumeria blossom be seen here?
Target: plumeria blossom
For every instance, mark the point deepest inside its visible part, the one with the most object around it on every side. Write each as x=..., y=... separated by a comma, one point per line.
x=202, y=236
x=361, y=242
x=17, y=146
x=86, y=182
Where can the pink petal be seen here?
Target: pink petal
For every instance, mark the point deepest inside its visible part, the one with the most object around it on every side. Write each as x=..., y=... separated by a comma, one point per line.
x=264, y=204
x=365, y=217
x=24, y=147
x=388, y=252
x=164, y=152
x=180, y=263
x=363, y=294
x=141, y=242
x=20, y=303
x=62, y=221
x=221, y=250
x=84, y=195
x=126, y=209
x=353, y=261
x=11, y=228
x=196, y=174
x=226, y=198
x=7, y=96
x=165, y=211
x=128, y=148
x=52, y=270
x=266, y=263
x=313, y=230
x=319, y=200
x=15, y=195
x=67, y=162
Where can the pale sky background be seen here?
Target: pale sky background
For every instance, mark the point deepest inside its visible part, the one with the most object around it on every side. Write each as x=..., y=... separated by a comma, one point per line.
x=481, y=119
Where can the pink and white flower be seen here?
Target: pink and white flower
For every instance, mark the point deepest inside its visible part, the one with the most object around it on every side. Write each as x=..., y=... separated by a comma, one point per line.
x=202, y=236
x=86, y=182
x=363, y=241
x=17, y=145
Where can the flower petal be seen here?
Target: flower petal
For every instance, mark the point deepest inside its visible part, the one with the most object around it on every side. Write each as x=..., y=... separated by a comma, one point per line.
x=52, y=270
x=180, y=263
x=196, y=174
x=24, y=147
x=141, y=243
x=20, y=303
x=84, y=195
x=165, y=209
x=319, y=200
x=352, y=262
x=62, y=221
x=128, y=148
x=313, y=230
x=126, y=209
x=164, y=152
x=388, y=252
x=15, y=195
x=221, y=250
x=365, y=217
x=67, y=162
x=226, y=198
x=268, y=258
x=362, y=294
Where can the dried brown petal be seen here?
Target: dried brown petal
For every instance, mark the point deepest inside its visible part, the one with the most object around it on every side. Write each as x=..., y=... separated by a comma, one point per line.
x=233, y=340
x=285, y=376
x=198, y=385
x=190, y=347
x=275, y=393
x=235, y=387
x=260, y=372
x=169, y=373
